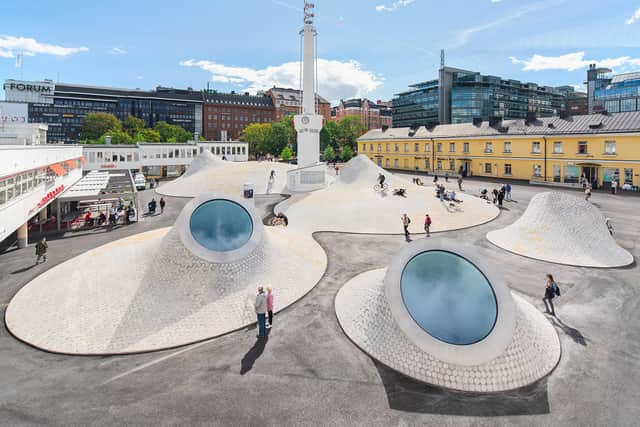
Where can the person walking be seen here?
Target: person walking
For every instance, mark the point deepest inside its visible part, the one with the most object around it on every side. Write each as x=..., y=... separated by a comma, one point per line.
x=427, y=225
x=270, y=306
x=41, y=250
x=435, y=178
x=587, y=192
x=162, y=204
x=614, y=186
x=446, y=177
x=551, y=290
x=460, y=182
x=508, y=190
x=500, y=198
x=405, y=224
x=261, y=309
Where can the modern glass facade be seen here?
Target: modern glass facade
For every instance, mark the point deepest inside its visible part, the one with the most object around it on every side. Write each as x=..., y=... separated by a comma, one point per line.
x=65, y=112
x=419, y=106
x=460, y=96
x=621, y=94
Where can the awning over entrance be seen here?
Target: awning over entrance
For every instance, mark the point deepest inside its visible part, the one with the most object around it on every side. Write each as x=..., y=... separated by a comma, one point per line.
x=595, y=165
x=58, y=169
x=72, y=164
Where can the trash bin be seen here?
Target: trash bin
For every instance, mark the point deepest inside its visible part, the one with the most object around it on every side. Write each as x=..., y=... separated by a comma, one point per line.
x=247, y=190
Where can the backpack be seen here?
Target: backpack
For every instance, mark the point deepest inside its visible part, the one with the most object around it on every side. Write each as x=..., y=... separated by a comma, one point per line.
x=408, y=220
x=557, y=289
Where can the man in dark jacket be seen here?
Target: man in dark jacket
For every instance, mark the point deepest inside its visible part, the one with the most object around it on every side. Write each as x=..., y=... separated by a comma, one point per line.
x=41, y=250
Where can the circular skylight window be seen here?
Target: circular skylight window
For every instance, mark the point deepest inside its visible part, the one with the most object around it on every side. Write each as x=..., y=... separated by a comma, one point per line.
x=448, y=297
x=221, y=225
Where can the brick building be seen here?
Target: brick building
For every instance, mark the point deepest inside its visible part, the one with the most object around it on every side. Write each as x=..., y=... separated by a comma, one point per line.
x=225, y=115
x=373, y=115
x=289, y=101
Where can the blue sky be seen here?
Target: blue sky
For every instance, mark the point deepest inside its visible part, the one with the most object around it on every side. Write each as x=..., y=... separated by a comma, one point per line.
x=366, y=48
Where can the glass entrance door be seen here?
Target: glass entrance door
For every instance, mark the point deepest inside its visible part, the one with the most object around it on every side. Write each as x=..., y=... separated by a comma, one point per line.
x=591, y=174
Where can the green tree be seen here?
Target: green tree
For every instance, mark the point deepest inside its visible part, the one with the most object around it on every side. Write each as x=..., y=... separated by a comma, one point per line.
x=350, y=129
x=280, y=137
x=330, y=129
x=286, y=154
x=119, y=137
x=147, y=135
x=133, y=125
x=328, y=154
x=347, y=153
x=290, y=131
x=258, y=136
x=172, y=133
x=97, y=124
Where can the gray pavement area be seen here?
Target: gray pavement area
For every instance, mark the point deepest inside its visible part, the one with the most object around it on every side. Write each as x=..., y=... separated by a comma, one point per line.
x=308, y=372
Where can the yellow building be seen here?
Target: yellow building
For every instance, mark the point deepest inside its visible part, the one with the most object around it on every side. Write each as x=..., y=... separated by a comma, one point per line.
x=563, y=150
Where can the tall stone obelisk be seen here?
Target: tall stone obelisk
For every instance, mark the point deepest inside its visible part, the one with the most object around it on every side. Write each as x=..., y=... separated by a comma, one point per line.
x=308, y=124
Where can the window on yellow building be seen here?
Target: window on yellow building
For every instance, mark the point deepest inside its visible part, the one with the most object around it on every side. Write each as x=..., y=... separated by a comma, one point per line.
x=439, y=147
x=488, y=148
x=406, y=163
x=416, y=147
x=557, y=147
x=487, y=168
x=379, y=148
x=452, y=147
x=537, y=170
x=406, y=148
x=396, y=148
x=452, y=165
x=507, y=147
x=507, y=169
x=427, y=147
x=465, y=147
x=395, y=163
x=582, y=147
x=628, y=176
x=610, y=147
x=380, y=161
x=370, y=147
x=387, y=148
x=387, y=163
x=364, y=147
x=535, y=147
x=426, y=164
x=439, y=165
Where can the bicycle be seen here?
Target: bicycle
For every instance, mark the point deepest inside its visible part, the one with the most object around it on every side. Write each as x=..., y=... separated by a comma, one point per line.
x=383, y=187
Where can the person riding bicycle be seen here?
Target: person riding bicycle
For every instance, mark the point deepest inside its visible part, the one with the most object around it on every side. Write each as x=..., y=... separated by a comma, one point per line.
x=381, y=179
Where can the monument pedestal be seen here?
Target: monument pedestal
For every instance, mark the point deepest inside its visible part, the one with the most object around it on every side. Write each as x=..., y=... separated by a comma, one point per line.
x=307, y=178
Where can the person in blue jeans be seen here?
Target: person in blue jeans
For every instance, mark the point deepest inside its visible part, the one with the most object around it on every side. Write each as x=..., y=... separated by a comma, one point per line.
x=550, y=291
x=261, y=310
x=508, y=191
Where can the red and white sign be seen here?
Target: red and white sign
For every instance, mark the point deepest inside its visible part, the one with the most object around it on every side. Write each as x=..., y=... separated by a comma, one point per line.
x=48, y=197
x=108, y=166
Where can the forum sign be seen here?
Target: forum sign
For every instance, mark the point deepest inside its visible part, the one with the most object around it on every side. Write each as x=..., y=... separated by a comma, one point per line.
x=25, y=91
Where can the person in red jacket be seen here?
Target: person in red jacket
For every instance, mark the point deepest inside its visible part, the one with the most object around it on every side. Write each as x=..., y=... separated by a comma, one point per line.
x=427, y=224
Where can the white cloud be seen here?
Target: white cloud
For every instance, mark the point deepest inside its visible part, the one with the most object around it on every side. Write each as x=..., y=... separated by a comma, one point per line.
x=117, y=51
x=10, y=45
x=496, y=1
x=633, y=18
x=393, y=6
x=571, y=62
x=336, y=79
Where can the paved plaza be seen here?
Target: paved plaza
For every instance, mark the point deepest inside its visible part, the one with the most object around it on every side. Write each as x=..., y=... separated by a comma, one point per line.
x=309, y=373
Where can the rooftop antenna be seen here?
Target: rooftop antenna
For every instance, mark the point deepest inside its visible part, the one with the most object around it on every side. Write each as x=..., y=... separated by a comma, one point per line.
x=441, y=58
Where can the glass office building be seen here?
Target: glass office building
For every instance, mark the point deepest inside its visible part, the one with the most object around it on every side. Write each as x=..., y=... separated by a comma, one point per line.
x=66, y=105
x=460, y=96
x=418, y=106
x=618, y=94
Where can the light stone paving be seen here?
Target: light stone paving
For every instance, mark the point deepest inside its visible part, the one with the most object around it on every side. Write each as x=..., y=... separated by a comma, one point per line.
x=209, y=174
x=148, y=292
x=365, y=316
x=350, y=204
x=565, y=229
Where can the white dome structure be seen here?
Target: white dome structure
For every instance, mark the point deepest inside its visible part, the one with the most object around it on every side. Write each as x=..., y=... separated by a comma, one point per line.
x=438, y=315
x=167, y=287
x=210, y=174
x=350, y=204
x=565, y=229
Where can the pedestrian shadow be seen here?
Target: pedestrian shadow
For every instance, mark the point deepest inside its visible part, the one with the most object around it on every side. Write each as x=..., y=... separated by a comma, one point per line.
x=22, y=270
x=409, y=395
x=571, y=332
x=253, y=354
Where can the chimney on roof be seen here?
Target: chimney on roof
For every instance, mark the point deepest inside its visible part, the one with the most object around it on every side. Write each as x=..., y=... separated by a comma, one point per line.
x=494, y=120
x=384, y=128
x=477, y=121
x=531, y=117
